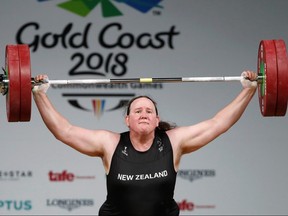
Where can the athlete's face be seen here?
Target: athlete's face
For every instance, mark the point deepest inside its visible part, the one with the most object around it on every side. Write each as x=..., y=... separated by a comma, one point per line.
x=142, y=117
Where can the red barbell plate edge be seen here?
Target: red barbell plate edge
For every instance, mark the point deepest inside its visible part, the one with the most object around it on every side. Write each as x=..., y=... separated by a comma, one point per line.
x=25, y=78
x=282, y=80
x=267, y=91
x=13, y=95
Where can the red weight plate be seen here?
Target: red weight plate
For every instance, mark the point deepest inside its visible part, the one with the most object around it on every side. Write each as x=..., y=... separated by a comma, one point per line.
x=267, y=67
x=25, y=79
x=282, y=80
x=13, y=95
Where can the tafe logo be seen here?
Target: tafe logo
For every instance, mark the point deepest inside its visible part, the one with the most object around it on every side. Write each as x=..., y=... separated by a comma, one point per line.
x=65, y=176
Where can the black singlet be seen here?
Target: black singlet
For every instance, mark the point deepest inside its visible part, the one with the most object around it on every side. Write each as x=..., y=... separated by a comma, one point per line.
x=141, y=183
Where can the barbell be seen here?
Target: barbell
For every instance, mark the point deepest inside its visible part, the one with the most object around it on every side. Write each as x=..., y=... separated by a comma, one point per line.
x=272, y=70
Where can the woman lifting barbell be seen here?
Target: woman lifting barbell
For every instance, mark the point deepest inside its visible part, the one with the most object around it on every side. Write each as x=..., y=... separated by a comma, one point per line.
x=141, y=164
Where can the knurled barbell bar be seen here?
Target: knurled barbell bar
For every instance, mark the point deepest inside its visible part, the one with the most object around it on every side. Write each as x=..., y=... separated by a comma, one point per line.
x=272, y=69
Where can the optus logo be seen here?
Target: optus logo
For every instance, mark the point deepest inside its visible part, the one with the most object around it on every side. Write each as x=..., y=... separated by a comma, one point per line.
x=108, y=7
x=18, y=205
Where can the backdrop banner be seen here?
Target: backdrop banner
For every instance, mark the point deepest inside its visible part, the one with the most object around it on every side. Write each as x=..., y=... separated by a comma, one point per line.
x=242, y=172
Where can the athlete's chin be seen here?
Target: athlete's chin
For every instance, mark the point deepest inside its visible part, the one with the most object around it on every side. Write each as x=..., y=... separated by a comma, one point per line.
x=146, y=129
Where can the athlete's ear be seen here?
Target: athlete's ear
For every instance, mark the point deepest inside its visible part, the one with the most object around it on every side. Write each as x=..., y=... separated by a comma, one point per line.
x=127, y=120
x=158, y=120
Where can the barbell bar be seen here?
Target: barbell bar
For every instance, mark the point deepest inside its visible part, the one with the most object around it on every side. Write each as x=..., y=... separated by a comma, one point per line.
x=272, y=70
x=147, y=80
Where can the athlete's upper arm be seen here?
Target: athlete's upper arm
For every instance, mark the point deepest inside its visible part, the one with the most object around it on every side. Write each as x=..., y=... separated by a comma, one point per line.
x=90, y=142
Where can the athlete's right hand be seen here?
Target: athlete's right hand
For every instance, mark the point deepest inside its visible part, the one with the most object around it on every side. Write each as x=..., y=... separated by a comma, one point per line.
x=41, y=84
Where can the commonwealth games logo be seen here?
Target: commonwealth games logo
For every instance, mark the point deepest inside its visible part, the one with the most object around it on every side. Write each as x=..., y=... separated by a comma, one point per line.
x=108, y=7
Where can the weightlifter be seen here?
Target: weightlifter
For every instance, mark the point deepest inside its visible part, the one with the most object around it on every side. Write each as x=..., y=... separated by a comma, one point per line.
x=141, y=164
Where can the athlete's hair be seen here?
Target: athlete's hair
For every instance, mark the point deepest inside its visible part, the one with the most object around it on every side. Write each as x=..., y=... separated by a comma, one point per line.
x=163, y=125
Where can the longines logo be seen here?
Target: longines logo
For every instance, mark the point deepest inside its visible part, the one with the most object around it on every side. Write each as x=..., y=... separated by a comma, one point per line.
x=70, y=204
x=192, y=175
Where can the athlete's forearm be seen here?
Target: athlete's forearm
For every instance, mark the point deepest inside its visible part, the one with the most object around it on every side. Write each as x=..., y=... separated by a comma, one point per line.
x=55, y=122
